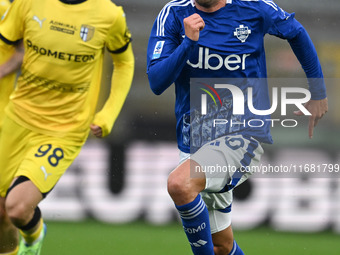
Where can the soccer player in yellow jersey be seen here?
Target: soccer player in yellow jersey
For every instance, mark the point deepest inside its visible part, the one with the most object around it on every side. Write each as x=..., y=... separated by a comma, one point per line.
x=52, y=109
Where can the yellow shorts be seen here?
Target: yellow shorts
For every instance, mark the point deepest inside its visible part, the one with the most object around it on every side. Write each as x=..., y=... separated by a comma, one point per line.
x=41, y=158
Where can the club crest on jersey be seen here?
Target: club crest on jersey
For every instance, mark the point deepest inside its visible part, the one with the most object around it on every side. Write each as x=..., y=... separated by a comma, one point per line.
x=242, y=33
x=86, y=32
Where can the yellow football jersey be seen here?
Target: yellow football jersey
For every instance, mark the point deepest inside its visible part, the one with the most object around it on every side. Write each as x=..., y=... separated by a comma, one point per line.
x=6, y=83
x=4, y=4
x=57, y=92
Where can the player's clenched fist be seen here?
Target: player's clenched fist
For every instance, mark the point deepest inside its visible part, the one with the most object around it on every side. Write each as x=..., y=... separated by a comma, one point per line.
x=96, y=130
x=192, y=26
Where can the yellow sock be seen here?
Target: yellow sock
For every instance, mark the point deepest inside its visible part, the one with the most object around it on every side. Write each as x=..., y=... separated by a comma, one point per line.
x=31, y=237
x=15, y=252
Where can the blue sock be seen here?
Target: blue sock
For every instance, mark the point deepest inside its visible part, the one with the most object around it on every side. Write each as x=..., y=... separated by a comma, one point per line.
x=195, y=220
x=236, y=250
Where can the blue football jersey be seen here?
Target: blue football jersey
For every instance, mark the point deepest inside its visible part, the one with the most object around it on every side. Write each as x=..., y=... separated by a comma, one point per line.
x=231, y=45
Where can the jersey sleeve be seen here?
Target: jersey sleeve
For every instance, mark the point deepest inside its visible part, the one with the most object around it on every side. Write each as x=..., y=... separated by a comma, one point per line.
x=119, y=35
x=120, y=86
x=12, y=25
x=118, y=44
x=166, y=54
x=279, y=22
x=284, y=25
x=163, y=38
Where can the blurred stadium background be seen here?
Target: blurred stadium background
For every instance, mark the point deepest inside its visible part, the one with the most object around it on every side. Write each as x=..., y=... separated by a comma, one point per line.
x=113, y=199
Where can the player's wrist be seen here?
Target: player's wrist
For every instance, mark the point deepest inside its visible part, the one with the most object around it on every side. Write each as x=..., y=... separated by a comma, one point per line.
x=189, y=41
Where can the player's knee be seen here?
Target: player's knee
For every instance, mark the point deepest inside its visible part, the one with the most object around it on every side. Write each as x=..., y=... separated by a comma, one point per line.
x=179, y=188
x=183, y=190
x=175, y=185
x=18, y=212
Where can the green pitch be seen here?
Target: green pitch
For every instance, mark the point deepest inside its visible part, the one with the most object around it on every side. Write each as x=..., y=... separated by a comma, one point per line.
x=94, y=238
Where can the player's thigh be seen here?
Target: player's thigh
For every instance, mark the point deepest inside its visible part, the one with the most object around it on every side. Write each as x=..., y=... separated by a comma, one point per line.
x=225, y=156
x=220, y=219
x=226, y=161
x=185, y=172
x=46, y=160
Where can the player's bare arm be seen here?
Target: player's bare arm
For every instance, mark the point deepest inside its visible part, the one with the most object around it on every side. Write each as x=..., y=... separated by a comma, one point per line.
x=193, y=25
x=317, y=108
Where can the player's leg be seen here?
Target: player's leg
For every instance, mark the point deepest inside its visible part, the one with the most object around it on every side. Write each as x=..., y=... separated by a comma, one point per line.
x=22, y=208
x=224, y=243
x=9, y=238
x=38, y=162
x=182, y=187
x=9, y=160
x=227, y=158
x=45, y=161
x=220, y=225
x=13, y=148
x=184, y=191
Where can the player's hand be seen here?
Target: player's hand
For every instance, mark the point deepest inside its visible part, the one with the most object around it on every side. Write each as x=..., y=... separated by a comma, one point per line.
x=96, y=130
x=192, y=26
x=317, y=108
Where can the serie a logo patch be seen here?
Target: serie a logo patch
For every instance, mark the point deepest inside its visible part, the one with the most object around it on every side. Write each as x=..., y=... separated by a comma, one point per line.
x=158, y=49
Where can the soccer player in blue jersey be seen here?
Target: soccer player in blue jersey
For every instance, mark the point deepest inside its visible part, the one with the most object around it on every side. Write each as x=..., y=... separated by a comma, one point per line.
x=221, y=39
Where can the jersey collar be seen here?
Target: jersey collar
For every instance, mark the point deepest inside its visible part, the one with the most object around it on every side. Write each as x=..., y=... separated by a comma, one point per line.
x=227, y=1
x=72, y=2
